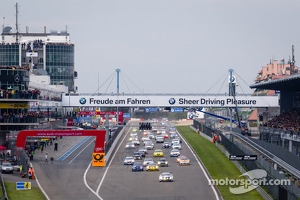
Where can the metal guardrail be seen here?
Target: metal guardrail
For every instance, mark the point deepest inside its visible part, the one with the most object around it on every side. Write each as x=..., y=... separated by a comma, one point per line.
x=285, y=166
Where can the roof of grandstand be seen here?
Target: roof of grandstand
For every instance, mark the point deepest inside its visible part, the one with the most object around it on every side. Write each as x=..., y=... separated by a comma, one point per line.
x=290, y=83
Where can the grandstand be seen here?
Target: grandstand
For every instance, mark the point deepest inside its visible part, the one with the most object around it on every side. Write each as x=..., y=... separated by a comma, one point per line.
x=284, y=129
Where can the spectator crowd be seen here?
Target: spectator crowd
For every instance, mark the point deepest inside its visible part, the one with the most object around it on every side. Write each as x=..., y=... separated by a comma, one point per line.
x=29, y=117
x=286, y=121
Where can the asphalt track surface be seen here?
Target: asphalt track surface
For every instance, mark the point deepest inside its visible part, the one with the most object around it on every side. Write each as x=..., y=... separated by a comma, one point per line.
x=64, y=179
x=73, y=178
x=121, y=183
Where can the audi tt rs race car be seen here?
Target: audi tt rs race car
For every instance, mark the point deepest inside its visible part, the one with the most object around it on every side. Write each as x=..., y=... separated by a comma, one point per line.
x=129, y=145
x=162, y=162
x=175, y=153
x=143, y=151
x=147, y=161
x=184, y=161
x=152, y=167
x=137, y=166
x=158, y=153
x=129, y=160
x=166, y=177
x=137, y=156
x=166, y=145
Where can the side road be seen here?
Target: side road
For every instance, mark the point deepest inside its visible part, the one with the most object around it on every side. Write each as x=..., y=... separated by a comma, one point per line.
x=64, y=144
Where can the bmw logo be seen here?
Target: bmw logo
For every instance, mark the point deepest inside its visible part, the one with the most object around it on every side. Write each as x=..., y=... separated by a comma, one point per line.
x=82, y=100
x=172, y=101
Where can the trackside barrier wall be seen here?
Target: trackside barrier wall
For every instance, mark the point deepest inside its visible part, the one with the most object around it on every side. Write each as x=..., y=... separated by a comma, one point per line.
x=113, y=148
x=235, y=147
x=4, y=193
x=112, y=139
x=269, y=166
x=282, y=153
x=280, y=138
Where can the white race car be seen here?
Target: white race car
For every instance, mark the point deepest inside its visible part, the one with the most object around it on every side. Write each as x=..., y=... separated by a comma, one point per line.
x=129, y=160
x=166, y=177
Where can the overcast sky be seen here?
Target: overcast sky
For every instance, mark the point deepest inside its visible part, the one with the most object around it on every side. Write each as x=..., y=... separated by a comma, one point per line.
x=166, y=46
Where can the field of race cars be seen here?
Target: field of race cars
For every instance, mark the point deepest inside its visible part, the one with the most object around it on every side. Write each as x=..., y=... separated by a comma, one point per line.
x=155, y=150
x=151, y=175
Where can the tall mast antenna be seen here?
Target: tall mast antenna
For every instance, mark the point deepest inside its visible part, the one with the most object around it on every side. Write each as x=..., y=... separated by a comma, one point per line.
x=3, y=25
x=17, y=26
x=293, y=61
x=293, y=55
x=3, y=29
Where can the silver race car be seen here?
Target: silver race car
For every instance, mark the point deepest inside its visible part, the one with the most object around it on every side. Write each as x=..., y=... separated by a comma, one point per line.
x=166, y=177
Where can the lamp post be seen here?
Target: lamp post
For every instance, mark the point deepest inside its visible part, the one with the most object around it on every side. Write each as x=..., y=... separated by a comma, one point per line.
x=55, y=113
x=48, y=113
x=107, y=127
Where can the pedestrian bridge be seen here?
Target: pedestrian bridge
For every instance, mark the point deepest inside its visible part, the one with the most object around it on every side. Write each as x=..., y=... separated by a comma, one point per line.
x=167, y=100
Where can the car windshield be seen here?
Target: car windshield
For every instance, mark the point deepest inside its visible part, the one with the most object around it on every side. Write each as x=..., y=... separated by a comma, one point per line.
x=148, y=159
x=128, y=158
x=6, y=164
x=137, y=164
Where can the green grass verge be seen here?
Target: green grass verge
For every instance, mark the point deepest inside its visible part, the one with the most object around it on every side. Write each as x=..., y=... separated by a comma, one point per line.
x=217, y=164
x=13, y=194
